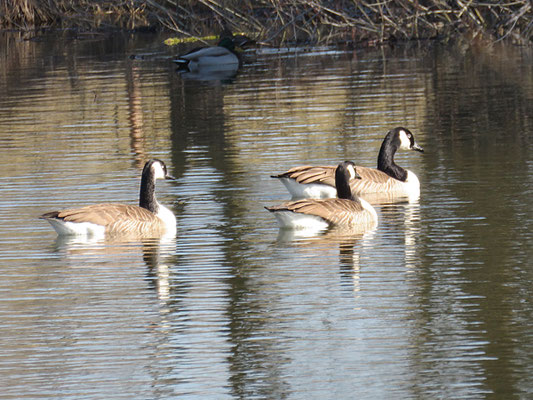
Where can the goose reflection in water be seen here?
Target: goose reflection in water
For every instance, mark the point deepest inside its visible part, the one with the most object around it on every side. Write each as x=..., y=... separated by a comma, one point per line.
x=354, y=244
x=157, y=254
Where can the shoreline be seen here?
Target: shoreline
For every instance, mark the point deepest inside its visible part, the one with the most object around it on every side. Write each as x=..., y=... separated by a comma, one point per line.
x=279, y=23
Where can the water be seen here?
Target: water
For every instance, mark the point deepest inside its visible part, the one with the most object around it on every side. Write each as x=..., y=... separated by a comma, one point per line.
x=435, y=303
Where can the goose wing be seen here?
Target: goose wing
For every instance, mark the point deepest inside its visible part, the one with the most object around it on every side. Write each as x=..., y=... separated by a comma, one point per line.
x=116, y=218
x=372, y=180
x=311, y=174
x=333, y=211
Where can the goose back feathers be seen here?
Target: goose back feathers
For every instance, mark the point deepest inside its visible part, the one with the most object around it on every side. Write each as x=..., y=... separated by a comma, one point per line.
x=106, y=218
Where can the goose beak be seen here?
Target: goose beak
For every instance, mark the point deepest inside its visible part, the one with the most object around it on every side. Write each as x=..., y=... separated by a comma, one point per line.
x=416, y=147
x=170, y=177
x=357, y=176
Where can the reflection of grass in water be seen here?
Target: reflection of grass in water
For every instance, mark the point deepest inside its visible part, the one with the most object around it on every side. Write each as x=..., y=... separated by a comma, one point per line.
x=276, y=22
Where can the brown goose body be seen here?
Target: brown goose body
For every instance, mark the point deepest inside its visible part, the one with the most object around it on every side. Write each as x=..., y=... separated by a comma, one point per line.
x=334, y=212
x=111, y=219
x=372, y=180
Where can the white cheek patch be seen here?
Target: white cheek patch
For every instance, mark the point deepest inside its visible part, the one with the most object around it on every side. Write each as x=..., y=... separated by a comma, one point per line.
x=404, y=140
x=159, y=172
x=351, y=169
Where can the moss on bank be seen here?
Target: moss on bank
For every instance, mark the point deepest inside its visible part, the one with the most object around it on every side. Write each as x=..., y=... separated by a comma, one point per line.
x=280, y=21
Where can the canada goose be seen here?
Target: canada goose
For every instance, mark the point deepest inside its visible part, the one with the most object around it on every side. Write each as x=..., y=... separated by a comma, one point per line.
x=222, y=56
x=346, y=210
x=389, y=178
x=149, y=218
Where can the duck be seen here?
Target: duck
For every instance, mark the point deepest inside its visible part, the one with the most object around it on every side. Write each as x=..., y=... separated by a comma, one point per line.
x=223, y=56
x=149, y=218
x=388, y=179
x=344, y=211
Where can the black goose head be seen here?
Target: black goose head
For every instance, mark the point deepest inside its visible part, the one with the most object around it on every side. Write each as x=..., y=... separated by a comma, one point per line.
x=156, y=169
x=406, y=139
x=343, y=173
x=397, y=138
x=153, y=170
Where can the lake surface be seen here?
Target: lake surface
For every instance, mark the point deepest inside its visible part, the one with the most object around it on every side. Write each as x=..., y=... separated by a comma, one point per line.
x=436, y=302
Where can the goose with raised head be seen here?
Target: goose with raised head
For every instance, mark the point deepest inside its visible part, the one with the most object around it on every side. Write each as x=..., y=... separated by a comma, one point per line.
x=149, y=218
x=345, y=211
x=389, y=178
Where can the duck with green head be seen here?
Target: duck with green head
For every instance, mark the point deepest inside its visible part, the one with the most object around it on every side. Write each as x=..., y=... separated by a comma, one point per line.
x=223, y=56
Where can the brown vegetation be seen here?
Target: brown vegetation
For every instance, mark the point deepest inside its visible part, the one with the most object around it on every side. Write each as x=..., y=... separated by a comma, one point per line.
x=279, y=21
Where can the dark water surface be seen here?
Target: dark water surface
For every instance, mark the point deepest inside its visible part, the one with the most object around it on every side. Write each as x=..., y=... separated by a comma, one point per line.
x=437, y=302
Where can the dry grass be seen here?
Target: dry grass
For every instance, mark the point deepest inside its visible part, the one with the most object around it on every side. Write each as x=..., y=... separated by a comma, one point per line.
x=280, y=21
x=83, y=14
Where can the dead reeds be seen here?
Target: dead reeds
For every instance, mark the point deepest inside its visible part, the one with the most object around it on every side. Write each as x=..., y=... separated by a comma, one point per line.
x=281, y=21
x=81, y=14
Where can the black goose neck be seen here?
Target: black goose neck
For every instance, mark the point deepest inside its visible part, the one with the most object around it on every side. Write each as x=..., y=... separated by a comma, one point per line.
x=147, y=197
x=386, y=163
x=342, y=183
